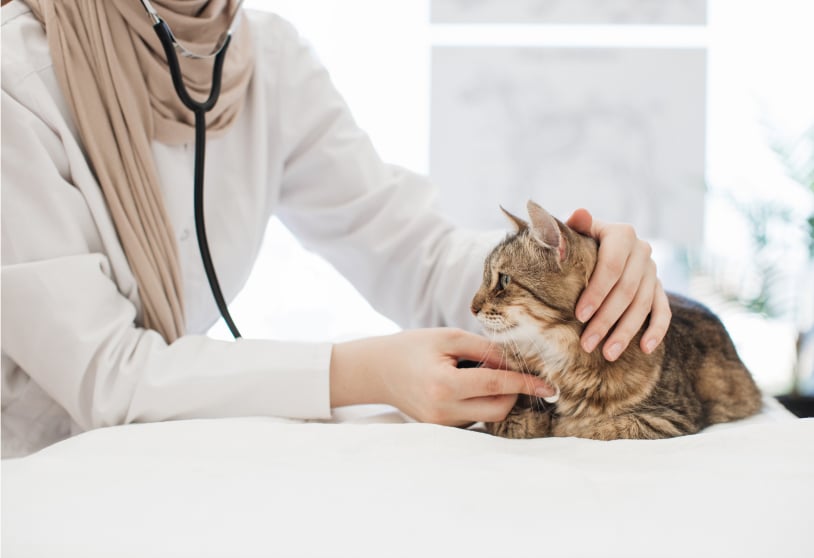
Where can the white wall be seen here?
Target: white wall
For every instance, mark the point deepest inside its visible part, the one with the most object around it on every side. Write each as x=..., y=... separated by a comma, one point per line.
x=377, y=54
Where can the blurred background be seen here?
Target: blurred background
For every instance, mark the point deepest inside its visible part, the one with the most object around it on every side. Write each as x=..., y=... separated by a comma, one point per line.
x=692, y=119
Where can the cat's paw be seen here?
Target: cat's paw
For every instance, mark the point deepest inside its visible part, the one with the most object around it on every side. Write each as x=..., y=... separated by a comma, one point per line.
x=521, y=423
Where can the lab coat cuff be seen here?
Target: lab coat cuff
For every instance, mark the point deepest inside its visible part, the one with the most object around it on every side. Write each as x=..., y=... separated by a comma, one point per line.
x=297, y=383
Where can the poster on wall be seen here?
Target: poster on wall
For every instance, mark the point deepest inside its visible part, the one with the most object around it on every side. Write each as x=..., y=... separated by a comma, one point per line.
x=618, y=131
x=663, y=12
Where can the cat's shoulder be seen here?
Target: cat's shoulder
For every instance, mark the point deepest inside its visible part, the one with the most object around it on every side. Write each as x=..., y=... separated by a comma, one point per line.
x=683, y=303
x=690, y=310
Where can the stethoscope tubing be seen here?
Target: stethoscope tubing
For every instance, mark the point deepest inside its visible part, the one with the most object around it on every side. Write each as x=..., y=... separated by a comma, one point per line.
x=200, y=109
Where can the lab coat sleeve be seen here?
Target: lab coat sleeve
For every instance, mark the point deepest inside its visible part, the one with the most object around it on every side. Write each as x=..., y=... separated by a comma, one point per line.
x=66, y=324
x=376, y=223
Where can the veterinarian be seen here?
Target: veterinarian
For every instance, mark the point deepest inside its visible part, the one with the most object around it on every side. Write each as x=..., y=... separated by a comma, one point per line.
x=105, y=299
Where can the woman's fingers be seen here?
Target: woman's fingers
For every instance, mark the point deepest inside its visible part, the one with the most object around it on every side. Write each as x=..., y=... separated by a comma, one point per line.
x=464, y=345
x=622, y=291
x=416, y=371
x=489, y=409
x=632, y=290
x=581, y=221
x=614, y=259
x=616, y=243
x=631, y=320
x=660, y=317
x=486, y=382
x=479, y=409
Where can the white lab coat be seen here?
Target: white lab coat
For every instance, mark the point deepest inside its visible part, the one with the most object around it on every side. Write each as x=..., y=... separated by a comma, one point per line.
x=74, y=356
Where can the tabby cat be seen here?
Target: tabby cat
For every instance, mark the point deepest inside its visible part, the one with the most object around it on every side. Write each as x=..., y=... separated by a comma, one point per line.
x=531, y=284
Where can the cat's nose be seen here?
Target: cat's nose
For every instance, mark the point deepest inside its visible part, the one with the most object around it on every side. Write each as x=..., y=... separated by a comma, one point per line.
x=477, y=304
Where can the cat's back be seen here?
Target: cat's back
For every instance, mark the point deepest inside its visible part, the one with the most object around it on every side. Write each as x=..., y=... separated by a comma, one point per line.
x=684, y=307
x=696, y=335
x=697, y=346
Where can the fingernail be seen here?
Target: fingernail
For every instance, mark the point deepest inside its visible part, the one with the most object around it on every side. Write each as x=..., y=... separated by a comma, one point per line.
x=614, y=351
x=544, y=392
x=585, y=313
x=591, y=343
x=651, y=346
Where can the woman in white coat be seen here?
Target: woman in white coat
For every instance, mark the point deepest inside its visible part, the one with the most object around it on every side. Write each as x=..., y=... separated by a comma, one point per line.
x=105, y=303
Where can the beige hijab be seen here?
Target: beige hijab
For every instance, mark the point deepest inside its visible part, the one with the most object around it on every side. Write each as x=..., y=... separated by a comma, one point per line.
x=113, y=72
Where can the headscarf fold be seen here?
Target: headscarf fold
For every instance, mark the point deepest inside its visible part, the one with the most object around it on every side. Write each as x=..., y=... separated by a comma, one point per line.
x=114, y=75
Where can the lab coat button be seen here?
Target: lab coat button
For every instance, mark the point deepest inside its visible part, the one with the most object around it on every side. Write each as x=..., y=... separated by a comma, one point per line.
x=184, y=235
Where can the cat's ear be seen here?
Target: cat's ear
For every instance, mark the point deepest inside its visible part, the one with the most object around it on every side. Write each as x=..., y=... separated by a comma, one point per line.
x=519, y=224
x=545, y=229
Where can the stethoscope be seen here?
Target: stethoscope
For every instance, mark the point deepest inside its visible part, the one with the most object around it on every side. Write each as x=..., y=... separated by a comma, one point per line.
x=171, y=48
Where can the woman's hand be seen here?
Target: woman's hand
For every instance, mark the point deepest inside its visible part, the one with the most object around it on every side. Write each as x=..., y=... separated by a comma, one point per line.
x=416, y=371
x=622, y=291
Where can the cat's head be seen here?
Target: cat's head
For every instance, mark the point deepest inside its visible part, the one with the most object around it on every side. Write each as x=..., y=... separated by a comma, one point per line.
x=532, y=280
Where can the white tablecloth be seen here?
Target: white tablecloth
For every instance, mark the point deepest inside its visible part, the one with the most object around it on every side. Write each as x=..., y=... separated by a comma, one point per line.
x=374, y=486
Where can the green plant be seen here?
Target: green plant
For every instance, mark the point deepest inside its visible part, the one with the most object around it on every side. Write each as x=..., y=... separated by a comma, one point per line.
x=797, y=156
x=756, y=284
x=778, y=280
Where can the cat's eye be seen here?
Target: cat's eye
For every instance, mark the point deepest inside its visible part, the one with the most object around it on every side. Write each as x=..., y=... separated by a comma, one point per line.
x=503, y=280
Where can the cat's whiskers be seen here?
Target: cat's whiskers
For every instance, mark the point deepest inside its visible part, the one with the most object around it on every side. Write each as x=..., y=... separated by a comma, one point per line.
x=498, y=329
x=526, y=370
x=518, y=333
x=539, y=373
x=547, y=373
x=503, y=362
x=488, y=350
x=549, y=345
